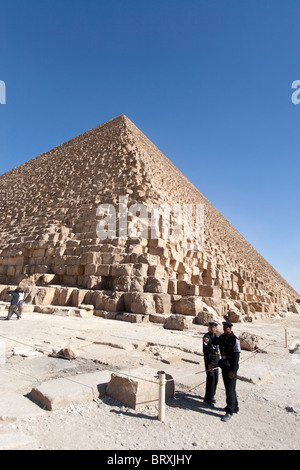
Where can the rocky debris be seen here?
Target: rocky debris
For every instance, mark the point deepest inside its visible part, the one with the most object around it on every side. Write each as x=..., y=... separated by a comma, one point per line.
x=27, y=352
x=249, y=341
x=67, y=352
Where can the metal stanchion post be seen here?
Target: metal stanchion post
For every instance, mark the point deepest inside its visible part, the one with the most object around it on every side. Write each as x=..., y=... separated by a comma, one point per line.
x=162, y=396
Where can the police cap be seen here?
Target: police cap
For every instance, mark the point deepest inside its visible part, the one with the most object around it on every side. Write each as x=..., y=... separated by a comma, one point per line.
x=228, y=323
x=213, y=323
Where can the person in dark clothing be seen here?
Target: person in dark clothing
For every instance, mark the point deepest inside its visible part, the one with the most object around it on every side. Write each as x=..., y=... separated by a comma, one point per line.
x=211, y=360
x=14, y=307
x=230, y=353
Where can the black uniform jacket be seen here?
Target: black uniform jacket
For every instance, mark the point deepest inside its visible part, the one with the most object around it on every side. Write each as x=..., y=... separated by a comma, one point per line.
x=210, y=350
x=230, y=351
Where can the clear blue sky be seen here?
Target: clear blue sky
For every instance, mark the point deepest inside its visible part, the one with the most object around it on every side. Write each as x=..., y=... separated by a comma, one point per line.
x=208, y=81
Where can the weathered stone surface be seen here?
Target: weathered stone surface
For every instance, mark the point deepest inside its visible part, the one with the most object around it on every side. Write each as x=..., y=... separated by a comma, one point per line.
x=176, y=322
x=248, y=341
x=142, y=303
x=15, y=406
x=59, y=393
x=188, y=305
x=137, y=387
x=204, y=317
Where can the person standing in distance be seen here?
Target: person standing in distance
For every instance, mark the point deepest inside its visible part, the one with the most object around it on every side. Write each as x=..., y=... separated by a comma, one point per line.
x=211, y=360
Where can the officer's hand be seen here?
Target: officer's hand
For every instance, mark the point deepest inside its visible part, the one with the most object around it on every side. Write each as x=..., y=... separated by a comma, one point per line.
x=206, y=340
x=210, y=367
x=231, y=374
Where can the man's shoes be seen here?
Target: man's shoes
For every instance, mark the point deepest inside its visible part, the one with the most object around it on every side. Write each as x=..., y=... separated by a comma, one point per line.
x=227, y=417
x=209, y=403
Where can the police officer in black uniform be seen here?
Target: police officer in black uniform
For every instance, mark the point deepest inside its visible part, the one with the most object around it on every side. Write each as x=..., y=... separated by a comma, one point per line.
x=230, y=353
x=211, y=360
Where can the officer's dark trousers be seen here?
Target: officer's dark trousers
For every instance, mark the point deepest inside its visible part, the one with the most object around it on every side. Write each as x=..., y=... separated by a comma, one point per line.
x=230, y=388
x=211, y=384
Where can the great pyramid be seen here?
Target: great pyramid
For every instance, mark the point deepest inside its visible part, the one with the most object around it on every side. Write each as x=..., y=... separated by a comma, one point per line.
x=49, y=241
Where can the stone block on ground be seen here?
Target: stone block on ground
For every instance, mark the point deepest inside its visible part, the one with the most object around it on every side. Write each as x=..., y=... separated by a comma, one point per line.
x=137, y=387
x=14, y=406
x=206, y=316
x=176, y=322
x=248, y=341
x=64, y=311
x=59, y=393
x=189, y=305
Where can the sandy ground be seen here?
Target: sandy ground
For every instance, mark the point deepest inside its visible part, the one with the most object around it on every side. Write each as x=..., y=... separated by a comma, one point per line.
x=268, y=386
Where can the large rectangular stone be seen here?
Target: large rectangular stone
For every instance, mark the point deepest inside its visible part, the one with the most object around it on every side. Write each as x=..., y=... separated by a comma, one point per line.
x=209, y=291
x=59, y=393
x=14, y=406
x=137, y=387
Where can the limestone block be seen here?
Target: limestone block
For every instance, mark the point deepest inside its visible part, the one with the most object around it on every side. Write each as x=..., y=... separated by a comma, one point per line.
x=176, y=322
x=139, y=270
x=157, y=271
x=75, y=270
x=41, y=295
x=295, y=308
x=158, y=318
x=89, y=258
x=77, y=297
x=11, y=271
x=103, y=270
x=67, y=351
x=155, y=284
x=210, y=291
x=206, y=316
x=138, y=387
x=219, y=305
x=58, y=393
x=142, y=303
x=248, y=341
x=96, y=282
x=122, y=283
x=117, y=270
x=188, y=305
x=90, y=269
x=186, y=288
x=162, y=303
x=234, y=316
x=131, y=317
x=115, y=302
x=172, y=286
x=137, y=284
x=62, y=296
